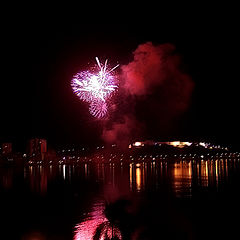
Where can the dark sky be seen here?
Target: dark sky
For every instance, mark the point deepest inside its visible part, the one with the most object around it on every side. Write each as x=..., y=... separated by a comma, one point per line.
x=42, y=50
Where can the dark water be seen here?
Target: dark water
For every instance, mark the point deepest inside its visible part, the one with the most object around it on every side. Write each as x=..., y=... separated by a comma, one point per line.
x=148, y=200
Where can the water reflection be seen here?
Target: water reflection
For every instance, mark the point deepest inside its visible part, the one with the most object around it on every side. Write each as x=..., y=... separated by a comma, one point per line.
x=7, y=178
x=96, y=225
x=181, y=177
x=131, y=176
x=37, y=178
x=138, y=179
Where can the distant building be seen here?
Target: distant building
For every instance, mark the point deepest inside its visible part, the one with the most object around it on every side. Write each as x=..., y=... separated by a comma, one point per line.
x=6, y=148
x=178, y=144
x=37, y=147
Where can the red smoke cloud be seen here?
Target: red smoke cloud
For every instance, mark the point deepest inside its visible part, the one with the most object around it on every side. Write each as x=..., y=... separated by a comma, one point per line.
x=160, y=89
x=146, y=70
x=155, y=66
x=120, y=132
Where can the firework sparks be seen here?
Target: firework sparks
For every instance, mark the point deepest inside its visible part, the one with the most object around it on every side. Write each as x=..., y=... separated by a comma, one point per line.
x=95, y=89
x=98, y=108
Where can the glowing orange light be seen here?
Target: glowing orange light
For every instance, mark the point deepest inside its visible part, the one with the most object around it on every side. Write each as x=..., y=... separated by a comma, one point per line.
x=180, y=144
x=175, y=143
x=138, y=179
x=130, y=176
x=137, y=144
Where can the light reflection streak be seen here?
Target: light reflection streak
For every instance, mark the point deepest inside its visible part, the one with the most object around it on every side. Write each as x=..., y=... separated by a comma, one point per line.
x=130, y=177
x=143, y=176
x=226, y=167
x=161, y=169
x=64, y=171
x=24, y=172
x=96, y=220
x=204, y=173
x=59, y=169
x=69, y=173
x=138, y=179
x=113, y=174
x=183, y=176
x=86, y=170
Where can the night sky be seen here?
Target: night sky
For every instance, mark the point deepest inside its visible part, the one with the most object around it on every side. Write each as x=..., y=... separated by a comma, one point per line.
x=41, y=51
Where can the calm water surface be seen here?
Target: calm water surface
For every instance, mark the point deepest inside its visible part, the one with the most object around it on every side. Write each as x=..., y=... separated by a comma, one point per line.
x=127, y=201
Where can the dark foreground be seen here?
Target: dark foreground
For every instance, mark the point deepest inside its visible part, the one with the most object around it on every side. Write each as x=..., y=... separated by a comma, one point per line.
x=149, y=200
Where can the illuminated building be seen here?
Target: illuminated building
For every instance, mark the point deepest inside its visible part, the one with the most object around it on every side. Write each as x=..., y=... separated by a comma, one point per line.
x=37, y=147
x=6, y=148
x=138, y=144
x=178, y=144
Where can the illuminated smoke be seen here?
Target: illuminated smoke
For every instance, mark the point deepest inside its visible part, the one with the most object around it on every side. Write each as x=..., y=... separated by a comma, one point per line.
x=122, y=131
x=157, y=68
x=157, y=88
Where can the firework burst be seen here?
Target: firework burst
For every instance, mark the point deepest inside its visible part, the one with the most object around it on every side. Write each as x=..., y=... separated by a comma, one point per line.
x=98, y=108
x=95, y=88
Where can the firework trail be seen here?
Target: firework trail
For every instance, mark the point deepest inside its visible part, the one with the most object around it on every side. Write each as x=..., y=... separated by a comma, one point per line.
x=95, y=88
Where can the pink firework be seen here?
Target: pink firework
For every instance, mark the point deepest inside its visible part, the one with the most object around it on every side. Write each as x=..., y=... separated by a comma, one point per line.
x=98, y=108
x=95, y=88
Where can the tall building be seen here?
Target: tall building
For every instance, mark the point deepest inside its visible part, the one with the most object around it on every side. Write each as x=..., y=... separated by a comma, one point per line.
x=6, y=148
x=37, y=147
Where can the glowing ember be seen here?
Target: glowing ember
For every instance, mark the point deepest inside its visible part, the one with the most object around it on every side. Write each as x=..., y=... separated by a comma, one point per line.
x=96, y=88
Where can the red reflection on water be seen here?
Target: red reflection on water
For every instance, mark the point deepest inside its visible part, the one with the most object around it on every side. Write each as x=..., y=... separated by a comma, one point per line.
x=7, y=179
x=96, y=221
x=38, y=179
